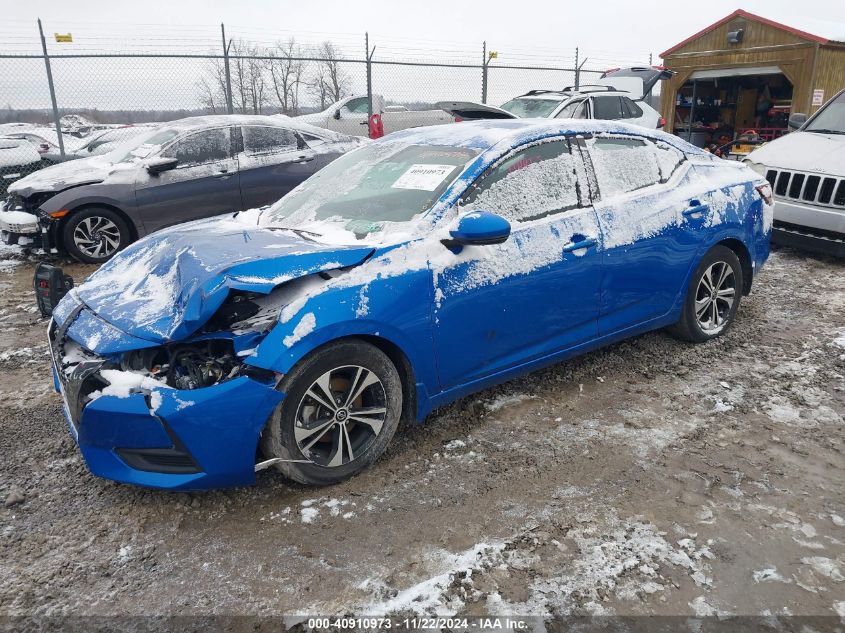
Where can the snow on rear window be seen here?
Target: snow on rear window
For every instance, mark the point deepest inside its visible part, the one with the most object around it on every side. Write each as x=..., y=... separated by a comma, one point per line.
x=623, y=164
x=532, y=183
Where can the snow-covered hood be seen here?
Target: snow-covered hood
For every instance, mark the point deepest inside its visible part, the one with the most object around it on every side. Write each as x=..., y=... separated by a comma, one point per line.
x=169, y=284
x=72, y=173
x=804, y=151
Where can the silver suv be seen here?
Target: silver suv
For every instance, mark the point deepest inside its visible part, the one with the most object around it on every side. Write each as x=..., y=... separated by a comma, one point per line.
x=806, y=169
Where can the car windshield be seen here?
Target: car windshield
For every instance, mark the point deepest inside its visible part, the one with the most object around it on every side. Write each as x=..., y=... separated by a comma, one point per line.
x=831, y=120
x=365, y=190
x=141, y=146
x=528, y=108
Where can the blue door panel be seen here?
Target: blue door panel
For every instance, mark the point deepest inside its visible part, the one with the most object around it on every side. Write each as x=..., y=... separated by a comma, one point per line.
x=498, y=306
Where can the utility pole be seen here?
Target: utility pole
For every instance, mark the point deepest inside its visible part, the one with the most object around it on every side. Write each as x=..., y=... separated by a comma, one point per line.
x=56, y=118
x=368, y=55
x=229, y=107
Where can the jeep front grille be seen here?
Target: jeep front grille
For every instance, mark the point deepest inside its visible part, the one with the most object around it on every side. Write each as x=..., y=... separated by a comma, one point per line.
x=827, y=191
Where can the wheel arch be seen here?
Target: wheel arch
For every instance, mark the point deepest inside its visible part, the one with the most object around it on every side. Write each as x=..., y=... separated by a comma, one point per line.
x=130, y=223
x=744, y=256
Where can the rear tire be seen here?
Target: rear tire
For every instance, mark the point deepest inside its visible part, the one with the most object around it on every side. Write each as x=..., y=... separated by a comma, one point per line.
x=712, y=298
x=341, y=409
x=94, y=235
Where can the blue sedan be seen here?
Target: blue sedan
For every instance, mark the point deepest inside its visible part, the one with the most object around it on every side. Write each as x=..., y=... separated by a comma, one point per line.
x=408, y=273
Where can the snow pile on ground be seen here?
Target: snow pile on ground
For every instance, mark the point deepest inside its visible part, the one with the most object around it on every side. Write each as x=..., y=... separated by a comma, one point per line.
x=574, y=572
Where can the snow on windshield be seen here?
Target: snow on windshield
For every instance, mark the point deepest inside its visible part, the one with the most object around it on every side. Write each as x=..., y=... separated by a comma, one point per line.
x=367, y=190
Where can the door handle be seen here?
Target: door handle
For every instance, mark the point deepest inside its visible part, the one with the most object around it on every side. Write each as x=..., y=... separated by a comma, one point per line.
x=364, y=123
x=304, y=159
x=574, y=246
x=695, y=209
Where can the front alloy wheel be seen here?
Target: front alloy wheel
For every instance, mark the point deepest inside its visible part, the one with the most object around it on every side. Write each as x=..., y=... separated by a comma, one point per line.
x=97, y=237
x=341, y=408
x=93, y=235
x=340, y=416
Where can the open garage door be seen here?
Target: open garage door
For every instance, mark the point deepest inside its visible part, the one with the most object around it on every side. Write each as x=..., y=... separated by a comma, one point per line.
x=717, y=105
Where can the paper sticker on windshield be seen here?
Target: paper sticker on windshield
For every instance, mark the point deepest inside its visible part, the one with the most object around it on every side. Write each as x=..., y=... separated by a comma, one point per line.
x=423, y=177
x=144, y=150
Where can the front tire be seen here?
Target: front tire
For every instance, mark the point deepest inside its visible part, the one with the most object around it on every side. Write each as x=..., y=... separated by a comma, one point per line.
x=341, y=409
x=712, y=298
x=94, y=235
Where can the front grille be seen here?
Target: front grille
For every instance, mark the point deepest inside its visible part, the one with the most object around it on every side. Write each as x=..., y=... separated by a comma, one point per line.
x=828, y=191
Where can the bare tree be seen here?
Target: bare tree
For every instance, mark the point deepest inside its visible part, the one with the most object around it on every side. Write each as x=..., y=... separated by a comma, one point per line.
x=285, y=74
x=212, y=87
x=248, y=82
x=330, y=82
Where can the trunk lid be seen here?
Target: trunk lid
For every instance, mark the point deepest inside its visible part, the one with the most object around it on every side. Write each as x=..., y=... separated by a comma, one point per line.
x=469, y=111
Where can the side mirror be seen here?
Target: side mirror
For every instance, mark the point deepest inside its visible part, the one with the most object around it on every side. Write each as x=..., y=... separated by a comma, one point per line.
x=159, y=164
x=337, y=114
x=797, y=120
x=478, y=228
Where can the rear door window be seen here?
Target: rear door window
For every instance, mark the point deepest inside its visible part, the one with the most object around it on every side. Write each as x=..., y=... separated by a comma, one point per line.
x=529, y=184
x=268, y=140
x=208, y=146
x=609, y=108
x=623, y=164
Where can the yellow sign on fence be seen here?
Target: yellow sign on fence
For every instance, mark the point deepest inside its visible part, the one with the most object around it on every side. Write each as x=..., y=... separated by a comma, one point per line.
x=63, y=37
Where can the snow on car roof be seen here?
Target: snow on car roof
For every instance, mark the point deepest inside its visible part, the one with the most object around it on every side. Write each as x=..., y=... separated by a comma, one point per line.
x=277, y=120
x=483, y=135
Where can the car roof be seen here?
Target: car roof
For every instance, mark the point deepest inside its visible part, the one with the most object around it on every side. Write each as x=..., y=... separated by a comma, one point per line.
x=568, y=93
x=484, y=135
x=219, y=120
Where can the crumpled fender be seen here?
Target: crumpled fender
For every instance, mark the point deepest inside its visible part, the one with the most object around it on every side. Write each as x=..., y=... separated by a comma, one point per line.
x=377, y=308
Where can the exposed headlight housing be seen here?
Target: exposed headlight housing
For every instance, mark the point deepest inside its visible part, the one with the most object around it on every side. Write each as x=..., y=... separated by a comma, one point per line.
x=758, y=167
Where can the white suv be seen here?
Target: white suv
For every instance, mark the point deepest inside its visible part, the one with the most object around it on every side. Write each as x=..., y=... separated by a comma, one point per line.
x=619, y=95
x=806, y=169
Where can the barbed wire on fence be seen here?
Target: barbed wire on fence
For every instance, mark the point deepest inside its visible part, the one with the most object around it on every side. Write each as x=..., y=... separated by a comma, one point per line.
x=122, y=74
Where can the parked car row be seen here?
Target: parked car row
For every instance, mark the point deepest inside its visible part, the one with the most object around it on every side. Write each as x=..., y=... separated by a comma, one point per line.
x=176, y=172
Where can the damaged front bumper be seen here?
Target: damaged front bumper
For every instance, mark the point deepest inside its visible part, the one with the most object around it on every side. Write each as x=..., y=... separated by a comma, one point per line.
x=176, y=439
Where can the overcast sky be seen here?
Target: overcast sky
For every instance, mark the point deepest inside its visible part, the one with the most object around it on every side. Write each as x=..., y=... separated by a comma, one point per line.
x=600, y=25
x=525, y=33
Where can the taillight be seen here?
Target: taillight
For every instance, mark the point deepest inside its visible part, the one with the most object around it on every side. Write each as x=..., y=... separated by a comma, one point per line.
x=765, y=192
x=458, y=119
x=661, y=122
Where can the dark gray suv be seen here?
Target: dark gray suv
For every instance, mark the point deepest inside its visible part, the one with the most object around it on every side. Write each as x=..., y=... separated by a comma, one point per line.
x=179, y=171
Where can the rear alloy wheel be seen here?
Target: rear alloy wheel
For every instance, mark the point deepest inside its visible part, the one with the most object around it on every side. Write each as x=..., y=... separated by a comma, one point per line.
x=95, y=235
x=712, y=298
x=342, y=406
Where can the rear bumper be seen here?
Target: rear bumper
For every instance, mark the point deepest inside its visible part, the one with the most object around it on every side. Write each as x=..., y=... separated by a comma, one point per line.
x=808, y=240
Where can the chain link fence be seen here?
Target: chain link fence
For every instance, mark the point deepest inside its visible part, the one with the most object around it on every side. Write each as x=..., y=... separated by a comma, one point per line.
x=57, y=106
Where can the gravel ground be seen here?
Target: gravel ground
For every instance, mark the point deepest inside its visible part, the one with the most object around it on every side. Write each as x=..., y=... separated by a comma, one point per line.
x=651, y=477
